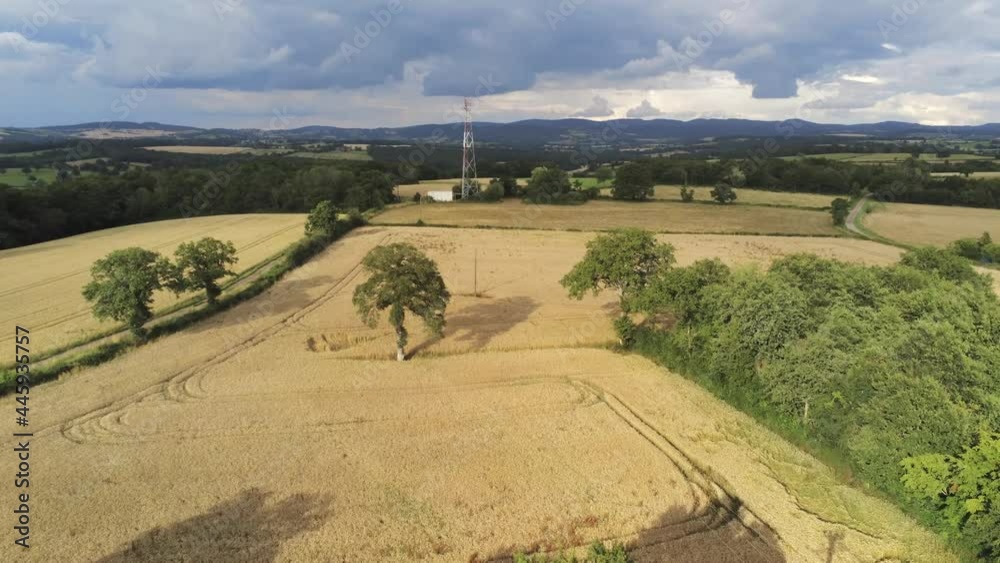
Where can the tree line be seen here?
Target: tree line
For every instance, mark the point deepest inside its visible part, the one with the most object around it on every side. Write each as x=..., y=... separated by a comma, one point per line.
x=910, y=181
x=892, y=368
x=267, y=185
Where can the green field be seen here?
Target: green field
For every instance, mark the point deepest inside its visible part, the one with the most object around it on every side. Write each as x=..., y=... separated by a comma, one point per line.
x=15, y=178
x=888, y=157
x=974, y=175
x=334, y=155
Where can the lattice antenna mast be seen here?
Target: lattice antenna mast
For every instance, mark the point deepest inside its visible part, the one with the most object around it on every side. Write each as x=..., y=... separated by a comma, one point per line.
x=470, y=187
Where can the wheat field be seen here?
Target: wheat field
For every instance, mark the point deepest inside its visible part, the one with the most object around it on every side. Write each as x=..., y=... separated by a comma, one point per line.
x=276, y=431
x=41, y=283
x=659, y=216
x=931, y=224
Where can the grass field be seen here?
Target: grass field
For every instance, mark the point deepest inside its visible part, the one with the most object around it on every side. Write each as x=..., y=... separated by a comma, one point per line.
x=41, y=283
x=931, y=224
x=277, y=432
x=888, y=157
x=602, y=215
x=15, y=178
x=187, y=149
x=974, y=175
x=333, y=155
x=748, y=196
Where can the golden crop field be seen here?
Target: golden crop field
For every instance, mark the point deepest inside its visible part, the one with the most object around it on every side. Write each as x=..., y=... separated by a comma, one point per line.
x=41, y=283
x=659, y=216
x=746, y=195
x=286, y=434
x=931, y=224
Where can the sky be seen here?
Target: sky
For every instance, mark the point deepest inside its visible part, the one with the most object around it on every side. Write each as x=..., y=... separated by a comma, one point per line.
x=276, y=64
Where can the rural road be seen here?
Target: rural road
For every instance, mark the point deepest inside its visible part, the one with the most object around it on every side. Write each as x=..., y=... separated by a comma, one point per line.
x=853, y=216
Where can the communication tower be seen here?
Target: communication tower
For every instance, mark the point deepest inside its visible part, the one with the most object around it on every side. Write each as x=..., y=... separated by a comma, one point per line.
x=470, y=185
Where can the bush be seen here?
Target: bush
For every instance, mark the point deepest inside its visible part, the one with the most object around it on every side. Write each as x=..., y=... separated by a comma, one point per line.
x=723, y=193
x=890, y=369
x=633, y=181
x=687, y=194
x=597, y=554
x=625, y=328
x=840, y=209
x=416, y=197
x=944, y=264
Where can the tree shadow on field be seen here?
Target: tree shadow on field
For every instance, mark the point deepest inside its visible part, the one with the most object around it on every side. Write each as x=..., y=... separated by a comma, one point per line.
x=712, y=534
x=284, y=298
x=481, y=323
x=707, y=534
x=245, y=528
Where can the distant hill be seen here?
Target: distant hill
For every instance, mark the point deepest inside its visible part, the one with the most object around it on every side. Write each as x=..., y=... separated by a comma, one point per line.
x=532, y=132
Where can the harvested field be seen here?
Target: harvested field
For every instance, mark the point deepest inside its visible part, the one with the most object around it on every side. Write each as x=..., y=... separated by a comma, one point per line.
x=746, y=195
x=931, y=224
x=514, y=432
x=42, y=282
x=602, y=215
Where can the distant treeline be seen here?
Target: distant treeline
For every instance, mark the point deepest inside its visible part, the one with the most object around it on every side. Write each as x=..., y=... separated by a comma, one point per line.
x=431, y=162
x=910, y=181
x=265, y=185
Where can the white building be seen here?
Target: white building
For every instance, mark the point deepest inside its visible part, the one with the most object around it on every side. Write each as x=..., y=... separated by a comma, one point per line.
x=441, y=196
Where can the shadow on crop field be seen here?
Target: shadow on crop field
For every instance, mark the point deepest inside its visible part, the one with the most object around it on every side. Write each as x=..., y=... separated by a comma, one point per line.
x=708, y=534
x=245, y=528
x=286, y=298
x=484, y=321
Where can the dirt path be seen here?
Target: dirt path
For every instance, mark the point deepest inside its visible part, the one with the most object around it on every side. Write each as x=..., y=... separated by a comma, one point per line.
x=852, y=217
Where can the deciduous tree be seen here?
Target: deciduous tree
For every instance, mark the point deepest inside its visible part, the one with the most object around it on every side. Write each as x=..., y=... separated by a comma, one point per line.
x=200, y=265
x=402, y=279
x=123, y=284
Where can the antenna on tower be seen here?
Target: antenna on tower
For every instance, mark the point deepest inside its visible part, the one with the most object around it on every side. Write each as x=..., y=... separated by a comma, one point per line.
x=470, y=185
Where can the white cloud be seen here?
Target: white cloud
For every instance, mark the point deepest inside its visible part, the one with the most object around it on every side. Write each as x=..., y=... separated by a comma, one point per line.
x=644, y=109
x=600, y=107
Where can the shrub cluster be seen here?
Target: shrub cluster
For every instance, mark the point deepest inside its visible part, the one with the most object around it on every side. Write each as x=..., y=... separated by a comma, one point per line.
x=895, y=369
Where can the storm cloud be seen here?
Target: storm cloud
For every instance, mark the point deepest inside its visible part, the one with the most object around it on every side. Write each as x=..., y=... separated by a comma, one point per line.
x=435, y=48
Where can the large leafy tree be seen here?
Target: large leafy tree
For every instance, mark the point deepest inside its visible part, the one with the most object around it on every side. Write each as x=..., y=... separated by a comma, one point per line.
x=200, y=265
x=725, y=191
x=840, y=209
x=623, y=261
x=550, y=184
x=123, y=285
x=322, y=219
x=402, y=279
x=633, y=181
